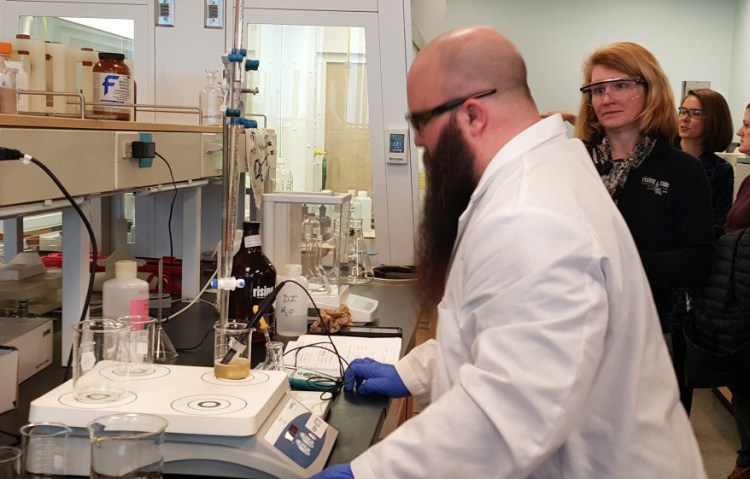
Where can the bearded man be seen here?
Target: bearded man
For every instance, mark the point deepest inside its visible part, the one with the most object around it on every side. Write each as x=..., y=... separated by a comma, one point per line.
x=549, y=360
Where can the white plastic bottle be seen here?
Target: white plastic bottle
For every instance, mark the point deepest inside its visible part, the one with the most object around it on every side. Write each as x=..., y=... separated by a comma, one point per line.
x=291, y=303
x=365, y=209
x=125, y=294
x=355, y=209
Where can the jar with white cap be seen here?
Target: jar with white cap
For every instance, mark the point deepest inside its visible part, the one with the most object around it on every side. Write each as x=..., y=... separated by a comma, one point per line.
x=125, y=294
x=8, y=90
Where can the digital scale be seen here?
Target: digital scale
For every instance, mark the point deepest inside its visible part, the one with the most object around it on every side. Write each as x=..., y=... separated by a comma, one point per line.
x=227, y=428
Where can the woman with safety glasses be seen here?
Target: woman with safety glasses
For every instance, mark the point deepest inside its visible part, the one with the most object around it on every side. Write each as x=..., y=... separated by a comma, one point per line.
x=705, y=127
x=627, y=121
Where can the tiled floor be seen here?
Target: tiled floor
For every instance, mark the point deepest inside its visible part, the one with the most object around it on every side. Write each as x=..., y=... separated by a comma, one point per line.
x=716, y=433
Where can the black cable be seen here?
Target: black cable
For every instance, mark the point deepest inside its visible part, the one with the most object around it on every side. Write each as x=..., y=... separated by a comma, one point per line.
x=265, y=305
x=94, y=251
x=171, y=210
x=89, y=229
x=171, y=207
x=192, y=348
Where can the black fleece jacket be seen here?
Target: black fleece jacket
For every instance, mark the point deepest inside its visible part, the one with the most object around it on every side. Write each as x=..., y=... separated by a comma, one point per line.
x=666, y=203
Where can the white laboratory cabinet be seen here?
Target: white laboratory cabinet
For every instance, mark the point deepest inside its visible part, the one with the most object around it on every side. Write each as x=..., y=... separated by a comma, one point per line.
x=337, y=100
x=170, y=64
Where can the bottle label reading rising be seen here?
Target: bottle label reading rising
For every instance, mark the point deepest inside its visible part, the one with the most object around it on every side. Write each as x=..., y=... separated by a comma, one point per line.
x=111, y=88
x=260, y=292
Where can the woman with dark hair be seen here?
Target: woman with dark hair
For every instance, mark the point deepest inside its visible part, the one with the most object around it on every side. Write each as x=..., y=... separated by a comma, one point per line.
x=705, y=127
x=627, y=121
x=738, y=218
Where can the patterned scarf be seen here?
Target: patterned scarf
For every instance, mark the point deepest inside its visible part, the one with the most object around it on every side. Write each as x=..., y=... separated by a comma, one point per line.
x=615, y=173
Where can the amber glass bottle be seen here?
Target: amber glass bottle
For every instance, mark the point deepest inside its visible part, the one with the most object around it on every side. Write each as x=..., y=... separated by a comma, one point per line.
x=259, y=274
x=112, y=85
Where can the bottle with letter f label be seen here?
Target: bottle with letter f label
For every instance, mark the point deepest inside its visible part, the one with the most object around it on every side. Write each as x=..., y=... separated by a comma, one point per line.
x=112, y=86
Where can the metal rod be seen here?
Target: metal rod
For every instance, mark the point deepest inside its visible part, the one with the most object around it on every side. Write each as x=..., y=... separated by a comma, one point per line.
x=82, y=104
x=230, y=173
x=265, y=118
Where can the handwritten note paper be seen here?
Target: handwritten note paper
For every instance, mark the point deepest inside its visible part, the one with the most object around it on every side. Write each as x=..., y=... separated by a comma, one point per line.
x=318, y=352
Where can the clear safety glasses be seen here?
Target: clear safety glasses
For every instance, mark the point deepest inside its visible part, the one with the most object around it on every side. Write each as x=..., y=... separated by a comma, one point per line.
x=690, y=112
x=618, y=89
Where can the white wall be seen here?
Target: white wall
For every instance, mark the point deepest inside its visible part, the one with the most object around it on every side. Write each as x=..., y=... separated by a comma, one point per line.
x=692, y=39
x=739, y=88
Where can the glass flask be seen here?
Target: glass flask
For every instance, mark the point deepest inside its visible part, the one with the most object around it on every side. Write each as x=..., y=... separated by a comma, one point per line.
x=358, y=255
x=284, y=178
x=211, y=98
x=312, y=252
x=274, y=357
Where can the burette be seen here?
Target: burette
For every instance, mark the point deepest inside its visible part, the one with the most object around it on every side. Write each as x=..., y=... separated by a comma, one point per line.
x=235, y=66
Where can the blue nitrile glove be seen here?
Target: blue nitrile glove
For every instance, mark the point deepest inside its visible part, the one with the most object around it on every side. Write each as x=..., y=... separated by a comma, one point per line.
x=371, y=376
x=339, y=471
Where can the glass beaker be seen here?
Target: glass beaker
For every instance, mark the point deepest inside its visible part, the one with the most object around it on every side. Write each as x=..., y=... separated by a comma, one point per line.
x=10, y=462
x=274, y=357
x=96, y=344
x=232, y=350
x=137, y=352
x=127, y=446
x=358, y=255
x=43, y=448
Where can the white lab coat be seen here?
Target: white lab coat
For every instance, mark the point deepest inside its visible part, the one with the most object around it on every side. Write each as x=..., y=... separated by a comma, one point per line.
x=549, y=360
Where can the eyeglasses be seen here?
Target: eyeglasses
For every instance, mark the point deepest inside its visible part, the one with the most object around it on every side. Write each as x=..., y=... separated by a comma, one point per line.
x=691, y=112
x=618, y=89
x=420, y=119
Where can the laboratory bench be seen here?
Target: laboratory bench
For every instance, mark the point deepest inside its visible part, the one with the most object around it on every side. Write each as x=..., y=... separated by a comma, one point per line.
x=359, y=419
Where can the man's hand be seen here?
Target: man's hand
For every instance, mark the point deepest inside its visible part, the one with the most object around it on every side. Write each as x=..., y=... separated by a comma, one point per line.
x=370, y=376
x=339, y=471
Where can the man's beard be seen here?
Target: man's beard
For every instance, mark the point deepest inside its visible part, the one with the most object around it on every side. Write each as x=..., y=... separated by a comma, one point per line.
x=450, y=182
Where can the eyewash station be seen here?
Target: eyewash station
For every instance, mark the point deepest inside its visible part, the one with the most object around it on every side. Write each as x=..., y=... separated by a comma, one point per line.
x=267, y=421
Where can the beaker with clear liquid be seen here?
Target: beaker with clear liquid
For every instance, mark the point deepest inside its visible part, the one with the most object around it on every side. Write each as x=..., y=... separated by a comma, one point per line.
x=10, y=463
x=96, y=352
x=137, y=352
x=127, y=446
x=44, y=450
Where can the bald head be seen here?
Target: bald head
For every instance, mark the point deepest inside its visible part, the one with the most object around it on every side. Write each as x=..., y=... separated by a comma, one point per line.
x=465, y=61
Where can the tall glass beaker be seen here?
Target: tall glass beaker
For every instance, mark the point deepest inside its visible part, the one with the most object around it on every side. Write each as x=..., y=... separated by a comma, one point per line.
x=96, y=349
x=127, y=446
x=44, y=450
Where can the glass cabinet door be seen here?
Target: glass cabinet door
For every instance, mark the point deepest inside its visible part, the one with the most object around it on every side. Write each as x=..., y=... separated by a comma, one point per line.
x=313, y=92
x=318, y=91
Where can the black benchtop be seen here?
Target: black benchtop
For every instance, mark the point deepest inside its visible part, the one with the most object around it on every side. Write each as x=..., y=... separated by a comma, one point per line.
x=357, y=418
